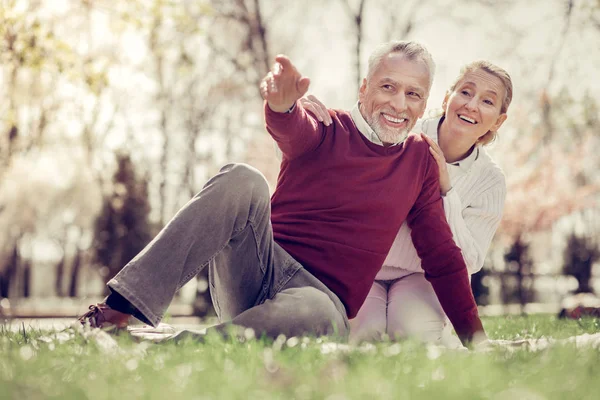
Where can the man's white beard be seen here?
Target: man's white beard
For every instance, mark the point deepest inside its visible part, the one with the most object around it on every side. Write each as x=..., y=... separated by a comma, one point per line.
x=385, y=134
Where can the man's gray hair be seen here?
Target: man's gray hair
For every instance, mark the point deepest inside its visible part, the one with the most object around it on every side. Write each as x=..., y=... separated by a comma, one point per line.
x=412, y=51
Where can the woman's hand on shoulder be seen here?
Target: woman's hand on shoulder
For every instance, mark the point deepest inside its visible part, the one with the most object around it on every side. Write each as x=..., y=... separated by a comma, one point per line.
x=439, y=158
x=314, y=105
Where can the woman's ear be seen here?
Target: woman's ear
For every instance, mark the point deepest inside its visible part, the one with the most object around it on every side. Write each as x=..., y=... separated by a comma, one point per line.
x=499, y=122
x=445, y=102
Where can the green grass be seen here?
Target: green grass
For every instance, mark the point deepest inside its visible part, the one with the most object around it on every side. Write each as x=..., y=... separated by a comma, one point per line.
x=71, y=367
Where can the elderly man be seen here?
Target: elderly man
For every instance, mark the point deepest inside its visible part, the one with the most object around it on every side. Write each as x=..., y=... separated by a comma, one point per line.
x=303, y=262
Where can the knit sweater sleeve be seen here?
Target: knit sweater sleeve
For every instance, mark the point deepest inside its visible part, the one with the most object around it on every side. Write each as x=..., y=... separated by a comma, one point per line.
x=441, y=259
x=295, y=133
x=473, y=225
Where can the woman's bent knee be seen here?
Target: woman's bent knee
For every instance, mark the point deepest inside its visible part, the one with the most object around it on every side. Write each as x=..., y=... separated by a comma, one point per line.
x=366, y=330
x=368, y=325
x=371, y=321
x=426, y=328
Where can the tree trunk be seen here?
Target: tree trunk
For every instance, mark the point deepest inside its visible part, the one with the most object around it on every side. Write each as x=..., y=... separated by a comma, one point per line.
x=6, y=279
x=26, y=279
x=163, y=104
x=358, y=22
x=60, y=273
x=584, y=277
x=75, y=274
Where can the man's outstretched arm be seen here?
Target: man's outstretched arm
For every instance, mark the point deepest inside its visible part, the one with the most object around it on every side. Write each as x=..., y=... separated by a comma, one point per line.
x=294, y=130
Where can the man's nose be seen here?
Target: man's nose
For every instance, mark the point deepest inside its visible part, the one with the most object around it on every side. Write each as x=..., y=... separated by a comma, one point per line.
x=399, y=102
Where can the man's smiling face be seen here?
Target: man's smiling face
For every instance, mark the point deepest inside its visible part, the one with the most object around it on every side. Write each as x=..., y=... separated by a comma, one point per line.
x=394, y=97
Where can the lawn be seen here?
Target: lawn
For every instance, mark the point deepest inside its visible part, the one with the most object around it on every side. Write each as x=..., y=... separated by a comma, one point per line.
x=39, y=365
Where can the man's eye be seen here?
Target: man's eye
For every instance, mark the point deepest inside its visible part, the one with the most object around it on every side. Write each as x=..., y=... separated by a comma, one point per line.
x=415, y=95
x=387, y=87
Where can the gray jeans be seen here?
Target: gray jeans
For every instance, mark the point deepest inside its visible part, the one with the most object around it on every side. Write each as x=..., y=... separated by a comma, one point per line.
x=253, y=282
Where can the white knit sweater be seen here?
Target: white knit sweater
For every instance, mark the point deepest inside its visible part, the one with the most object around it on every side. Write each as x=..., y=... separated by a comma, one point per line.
x=473, y=209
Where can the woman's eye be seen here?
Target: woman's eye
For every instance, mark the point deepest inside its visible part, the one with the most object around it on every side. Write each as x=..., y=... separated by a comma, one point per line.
x=465, y=92
x=489, y=102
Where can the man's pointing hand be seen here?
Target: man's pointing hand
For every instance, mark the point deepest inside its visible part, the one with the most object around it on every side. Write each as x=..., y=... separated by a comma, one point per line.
x=283, y=85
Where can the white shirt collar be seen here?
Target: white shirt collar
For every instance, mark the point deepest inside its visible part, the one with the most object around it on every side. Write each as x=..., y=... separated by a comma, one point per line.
x=365, y=128
x=430, y=128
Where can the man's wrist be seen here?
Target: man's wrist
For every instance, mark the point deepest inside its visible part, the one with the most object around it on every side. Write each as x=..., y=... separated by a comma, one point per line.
x=289, y=110
x=283, y=110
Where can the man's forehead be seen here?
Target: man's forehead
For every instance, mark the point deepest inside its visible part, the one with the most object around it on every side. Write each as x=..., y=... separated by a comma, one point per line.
x=401, y=69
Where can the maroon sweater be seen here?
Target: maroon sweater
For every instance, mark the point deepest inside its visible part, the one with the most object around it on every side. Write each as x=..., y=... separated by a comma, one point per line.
x=341, y=199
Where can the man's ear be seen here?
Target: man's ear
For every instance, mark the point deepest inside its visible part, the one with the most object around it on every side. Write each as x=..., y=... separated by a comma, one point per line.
x=362, y=90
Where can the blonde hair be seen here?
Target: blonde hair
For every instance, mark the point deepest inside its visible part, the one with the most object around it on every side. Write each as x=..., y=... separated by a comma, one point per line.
x=499, y=73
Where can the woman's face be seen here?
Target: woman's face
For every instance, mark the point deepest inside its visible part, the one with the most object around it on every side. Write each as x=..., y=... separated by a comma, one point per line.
x=473, y=107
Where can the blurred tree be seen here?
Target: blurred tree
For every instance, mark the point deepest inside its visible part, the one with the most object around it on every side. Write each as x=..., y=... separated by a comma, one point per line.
x=395, y=21
x=48, y=76
x=580, y=254
x=357, y=22
x=480, y=290
x=519, y=266
x=560, y=175
x=31, y=59
x=122, y=228
x=176, y=83
x=50, y=200
x=9, y=271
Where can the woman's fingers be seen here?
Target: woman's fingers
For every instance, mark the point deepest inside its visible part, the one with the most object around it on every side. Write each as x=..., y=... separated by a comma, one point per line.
x=434, y=146
x=312, y=104
x=443, y=170
x=438, y=159
x=326, y=118
x=311, y=107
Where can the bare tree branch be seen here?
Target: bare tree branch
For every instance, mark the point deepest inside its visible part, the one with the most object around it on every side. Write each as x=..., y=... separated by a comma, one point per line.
x=357, y=20
x=545, y=103
x=260, y=32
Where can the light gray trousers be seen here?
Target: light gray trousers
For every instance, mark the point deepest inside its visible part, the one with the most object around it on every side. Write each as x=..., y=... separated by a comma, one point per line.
x=254, y=283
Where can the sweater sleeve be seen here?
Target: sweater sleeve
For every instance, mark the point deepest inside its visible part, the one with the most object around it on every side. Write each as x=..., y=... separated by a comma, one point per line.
x=441, y=259
x=295, y=133
x=474, y=226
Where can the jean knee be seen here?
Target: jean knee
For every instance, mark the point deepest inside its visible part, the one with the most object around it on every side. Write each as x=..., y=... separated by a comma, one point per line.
x=319, y=311
x=245, y=179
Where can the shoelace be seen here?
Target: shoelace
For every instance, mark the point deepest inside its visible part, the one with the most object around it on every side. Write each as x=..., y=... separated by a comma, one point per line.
x=91, y=314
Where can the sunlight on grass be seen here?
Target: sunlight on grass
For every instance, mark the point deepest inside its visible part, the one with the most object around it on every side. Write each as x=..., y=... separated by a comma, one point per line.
x=71, y=365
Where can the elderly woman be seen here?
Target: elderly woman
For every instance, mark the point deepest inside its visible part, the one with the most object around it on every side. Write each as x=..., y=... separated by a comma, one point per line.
x=401, y=302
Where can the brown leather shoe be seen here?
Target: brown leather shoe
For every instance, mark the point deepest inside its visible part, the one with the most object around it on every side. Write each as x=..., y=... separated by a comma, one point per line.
x=102, y=316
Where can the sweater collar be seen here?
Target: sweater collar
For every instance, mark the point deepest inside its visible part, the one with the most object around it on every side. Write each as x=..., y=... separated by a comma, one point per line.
x=365, y=128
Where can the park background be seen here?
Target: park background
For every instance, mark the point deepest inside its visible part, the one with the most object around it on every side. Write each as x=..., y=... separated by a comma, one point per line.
x=113, y=114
